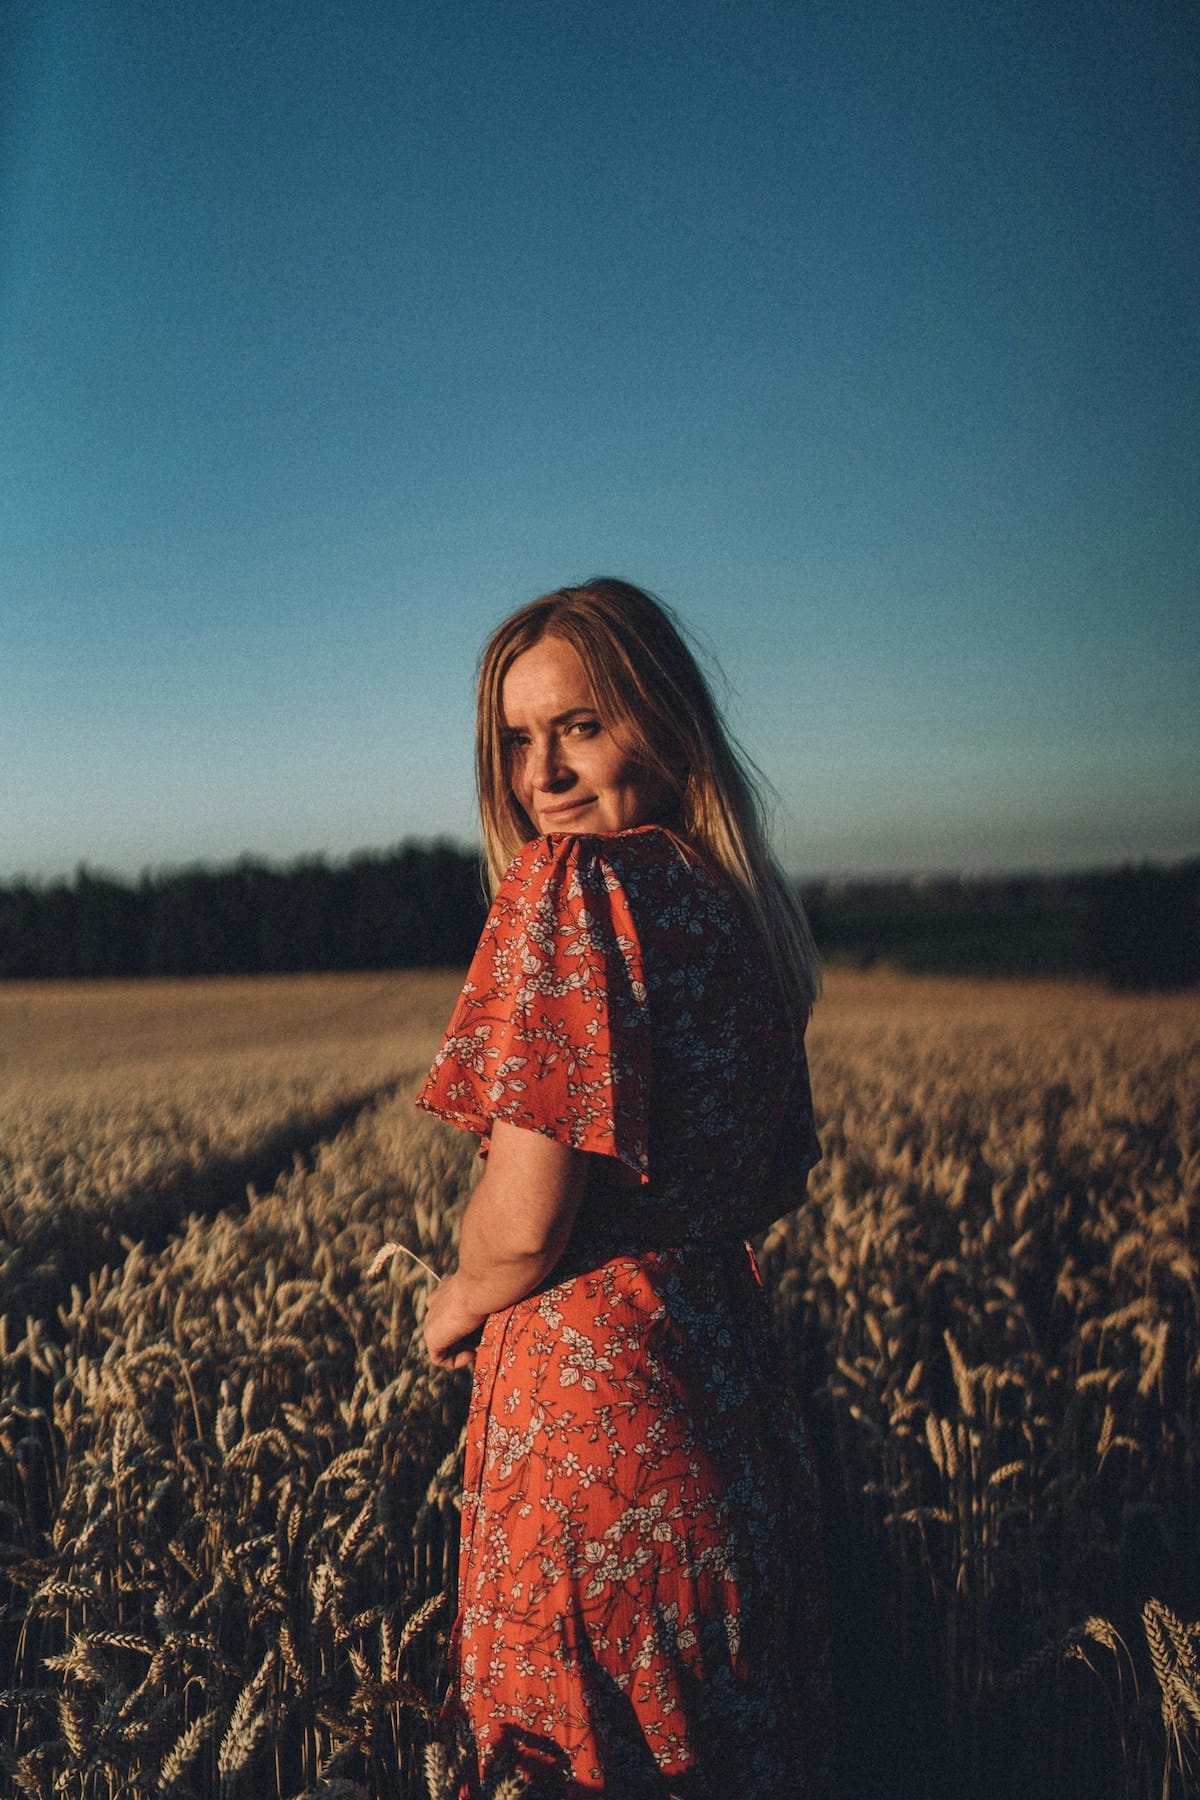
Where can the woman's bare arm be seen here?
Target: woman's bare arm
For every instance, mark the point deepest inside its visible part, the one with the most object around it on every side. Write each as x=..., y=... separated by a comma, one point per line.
x=513, y=1232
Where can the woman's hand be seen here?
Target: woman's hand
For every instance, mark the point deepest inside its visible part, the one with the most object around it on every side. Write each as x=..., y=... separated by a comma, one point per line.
x=451, y=1326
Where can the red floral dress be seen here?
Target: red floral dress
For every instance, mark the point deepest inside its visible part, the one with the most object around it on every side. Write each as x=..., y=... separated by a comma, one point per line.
x=641, y=1594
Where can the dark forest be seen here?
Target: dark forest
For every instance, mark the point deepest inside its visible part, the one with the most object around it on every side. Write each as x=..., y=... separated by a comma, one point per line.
x=422, y=905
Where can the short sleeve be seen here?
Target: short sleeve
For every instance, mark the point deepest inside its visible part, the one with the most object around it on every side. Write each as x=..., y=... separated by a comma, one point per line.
x=551, y=1031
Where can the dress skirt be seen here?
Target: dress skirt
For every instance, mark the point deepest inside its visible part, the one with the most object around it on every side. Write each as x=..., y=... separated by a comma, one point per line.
x=641, y=1594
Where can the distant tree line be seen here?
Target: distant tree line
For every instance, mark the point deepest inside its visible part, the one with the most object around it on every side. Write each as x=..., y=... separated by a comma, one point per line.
x=1135, y=927
x=417, y=906
x=422, y=905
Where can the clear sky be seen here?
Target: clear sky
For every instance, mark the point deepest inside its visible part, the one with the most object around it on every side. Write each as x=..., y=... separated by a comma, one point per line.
x=865, y=332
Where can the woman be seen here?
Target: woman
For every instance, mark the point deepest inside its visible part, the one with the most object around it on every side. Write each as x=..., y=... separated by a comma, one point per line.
x=641, y=1608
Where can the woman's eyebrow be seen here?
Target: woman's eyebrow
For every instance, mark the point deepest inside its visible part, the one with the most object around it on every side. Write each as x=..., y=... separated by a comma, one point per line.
x=561, y=718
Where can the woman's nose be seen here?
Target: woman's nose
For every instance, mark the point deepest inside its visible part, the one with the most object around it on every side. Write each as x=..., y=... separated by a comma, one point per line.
x=547, y=765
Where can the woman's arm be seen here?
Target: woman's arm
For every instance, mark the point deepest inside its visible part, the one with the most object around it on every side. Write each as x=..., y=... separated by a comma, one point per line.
x=788, y=1180
x=513, y=1232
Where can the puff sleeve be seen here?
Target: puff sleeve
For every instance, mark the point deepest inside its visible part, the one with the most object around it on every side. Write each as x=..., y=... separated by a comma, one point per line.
x=551, y=1031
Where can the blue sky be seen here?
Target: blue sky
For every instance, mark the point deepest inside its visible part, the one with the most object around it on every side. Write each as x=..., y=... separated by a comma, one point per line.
x=865, y=333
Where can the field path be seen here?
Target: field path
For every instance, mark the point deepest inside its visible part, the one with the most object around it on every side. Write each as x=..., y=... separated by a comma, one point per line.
x=125, y=1107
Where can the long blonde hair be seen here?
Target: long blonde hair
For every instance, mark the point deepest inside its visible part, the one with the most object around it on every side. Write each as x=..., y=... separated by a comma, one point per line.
x=650, y=691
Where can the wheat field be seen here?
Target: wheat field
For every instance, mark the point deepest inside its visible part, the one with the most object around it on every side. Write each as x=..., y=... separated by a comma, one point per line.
x=228, y=1484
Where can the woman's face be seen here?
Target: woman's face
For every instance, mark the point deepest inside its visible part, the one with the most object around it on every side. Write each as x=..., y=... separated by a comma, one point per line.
x=566, y=768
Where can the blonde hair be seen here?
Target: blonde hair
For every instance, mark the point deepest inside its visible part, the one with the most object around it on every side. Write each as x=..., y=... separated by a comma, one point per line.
x=650, y=691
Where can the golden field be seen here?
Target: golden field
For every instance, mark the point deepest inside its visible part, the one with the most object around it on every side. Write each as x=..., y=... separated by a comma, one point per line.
x=227, y=1494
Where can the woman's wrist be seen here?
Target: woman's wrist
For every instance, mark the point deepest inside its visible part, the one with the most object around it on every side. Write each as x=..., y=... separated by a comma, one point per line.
x=452, y=1325
x=465, y=1309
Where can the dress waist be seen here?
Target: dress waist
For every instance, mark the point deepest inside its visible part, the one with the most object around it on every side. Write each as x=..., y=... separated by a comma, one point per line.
x=593, y=1251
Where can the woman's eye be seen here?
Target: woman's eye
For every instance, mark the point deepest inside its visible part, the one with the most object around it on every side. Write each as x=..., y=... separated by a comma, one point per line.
x=586, y=727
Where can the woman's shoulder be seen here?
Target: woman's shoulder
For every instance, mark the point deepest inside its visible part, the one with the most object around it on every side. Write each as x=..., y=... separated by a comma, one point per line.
x=646, y=884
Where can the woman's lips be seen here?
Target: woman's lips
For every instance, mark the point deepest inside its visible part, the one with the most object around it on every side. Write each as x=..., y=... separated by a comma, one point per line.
x=562, y=812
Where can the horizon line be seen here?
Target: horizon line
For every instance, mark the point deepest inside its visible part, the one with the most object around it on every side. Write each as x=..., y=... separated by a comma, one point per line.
x=919, y=874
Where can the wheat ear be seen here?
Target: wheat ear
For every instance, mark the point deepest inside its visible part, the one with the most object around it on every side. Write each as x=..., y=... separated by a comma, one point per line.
x=384, y=1255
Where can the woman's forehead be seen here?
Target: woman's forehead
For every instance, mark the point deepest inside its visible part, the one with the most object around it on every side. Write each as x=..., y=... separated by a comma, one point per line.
x=547, y=679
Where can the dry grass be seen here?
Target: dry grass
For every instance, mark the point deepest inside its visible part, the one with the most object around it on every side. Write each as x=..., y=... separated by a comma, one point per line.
x=227, y=1494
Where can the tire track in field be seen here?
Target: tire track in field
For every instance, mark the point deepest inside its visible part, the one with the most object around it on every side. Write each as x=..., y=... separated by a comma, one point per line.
x=54, y=1249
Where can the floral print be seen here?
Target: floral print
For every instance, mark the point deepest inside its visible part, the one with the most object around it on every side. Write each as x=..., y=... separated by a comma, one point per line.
x=641, y=1599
